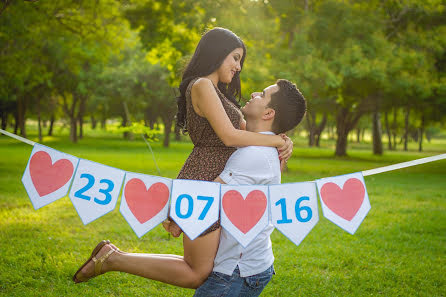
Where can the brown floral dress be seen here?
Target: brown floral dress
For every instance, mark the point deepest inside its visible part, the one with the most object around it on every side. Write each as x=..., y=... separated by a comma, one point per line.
x=209, y=155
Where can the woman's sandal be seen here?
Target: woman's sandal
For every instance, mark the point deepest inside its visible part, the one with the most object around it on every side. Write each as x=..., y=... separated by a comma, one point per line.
x=79, y=278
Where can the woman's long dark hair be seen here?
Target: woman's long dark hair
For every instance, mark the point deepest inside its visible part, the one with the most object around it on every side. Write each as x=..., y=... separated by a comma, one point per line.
x=215, y=45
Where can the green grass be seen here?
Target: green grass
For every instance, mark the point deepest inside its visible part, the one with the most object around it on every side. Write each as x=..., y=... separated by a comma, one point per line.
x=399, y=250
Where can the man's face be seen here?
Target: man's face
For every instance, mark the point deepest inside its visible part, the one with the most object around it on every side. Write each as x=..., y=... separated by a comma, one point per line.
x=258, y=105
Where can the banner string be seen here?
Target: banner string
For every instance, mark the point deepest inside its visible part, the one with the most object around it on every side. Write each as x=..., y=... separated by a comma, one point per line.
x=364, y=173
x=153, y=155
x=17, y=137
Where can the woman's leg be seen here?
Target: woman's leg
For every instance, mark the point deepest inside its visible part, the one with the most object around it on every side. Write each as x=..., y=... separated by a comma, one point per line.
x=189, y=271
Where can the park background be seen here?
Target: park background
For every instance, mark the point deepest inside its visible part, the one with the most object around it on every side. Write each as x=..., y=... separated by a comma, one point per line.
x=93, y=78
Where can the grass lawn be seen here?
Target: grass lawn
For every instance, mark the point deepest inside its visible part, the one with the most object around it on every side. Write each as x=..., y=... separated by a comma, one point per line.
x=399, y=250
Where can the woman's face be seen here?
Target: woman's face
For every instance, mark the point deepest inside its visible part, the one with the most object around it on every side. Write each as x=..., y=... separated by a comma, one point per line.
x=230, y=66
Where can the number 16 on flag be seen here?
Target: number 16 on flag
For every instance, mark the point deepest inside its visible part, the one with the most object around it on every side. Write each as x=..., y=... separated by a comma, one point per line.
x=294, y=209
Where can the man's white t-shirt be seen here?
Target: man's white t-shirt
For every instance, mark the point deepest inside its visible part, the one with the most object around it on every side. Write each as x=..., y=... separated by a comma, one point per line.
x=249, y=165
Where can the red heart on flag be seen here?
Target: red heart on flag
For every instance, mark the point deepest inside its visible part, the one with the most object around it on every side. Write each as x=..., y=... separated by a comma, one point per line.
x=244, y=213
x=143, y=203
x=46, y=176
x=344, y=202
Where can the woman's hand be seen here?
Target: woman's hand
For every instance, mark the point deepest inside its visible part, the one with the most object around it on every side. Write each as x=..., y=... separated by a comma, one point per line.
x=172, y=228
x=285, y=151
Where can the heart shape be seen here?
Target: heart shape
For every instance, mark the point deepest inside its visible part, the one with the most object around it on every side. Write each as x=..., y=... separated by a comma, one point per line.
x=143, y=203
x=244, y=213
x=46, y=176
x=344, y=202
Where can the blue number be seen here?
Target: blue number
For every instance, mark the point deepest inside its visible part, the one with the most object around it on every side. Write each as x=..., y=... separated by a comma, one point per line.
x=305, y=208
x=284, y=219
x=190, y=207
x=209, y=200
x=106, y=192
x=79, y=193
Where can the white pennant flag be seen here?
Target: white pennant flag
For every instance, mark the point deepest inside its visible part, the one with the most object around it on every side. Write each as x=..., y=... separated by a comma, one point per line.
x=244, y=211
x=48, y=175
x=294, y=209
x=95, y=189
x=144, y=201
x=344, y=200
x=194, y=205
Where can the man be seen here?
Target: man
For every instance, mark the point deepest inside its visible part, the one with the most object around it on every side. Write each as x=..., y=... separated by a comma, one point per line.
x=246, y=271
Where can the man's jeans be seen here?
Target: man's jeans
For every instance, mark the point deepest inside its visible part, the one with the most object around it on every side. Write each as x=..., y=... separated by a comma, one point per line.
x=219, y=284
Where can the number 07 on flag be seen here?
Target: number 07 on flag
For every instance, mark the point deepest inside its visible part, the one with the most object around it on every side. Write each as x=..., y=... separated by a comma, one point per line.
x=194, y=205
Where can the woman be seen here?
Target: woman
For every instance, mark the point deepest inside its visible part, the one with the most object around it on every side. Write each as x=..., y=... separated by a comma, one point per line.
x=209, y=112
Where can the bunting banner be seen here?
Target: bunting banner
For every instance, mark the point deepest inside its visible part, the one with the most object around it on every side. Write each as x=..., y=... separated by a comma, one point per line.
x=245, y=210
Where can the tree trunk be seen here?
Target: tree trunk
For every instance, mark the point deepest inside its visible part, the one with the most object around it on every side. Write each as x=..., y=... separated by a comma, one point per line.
x=389, y=135
x=126, y=121
x=80, y=116
x=345, y=122
x=39, y=121
x=93, y=122
x=314, y=129
x=150, y=117
x=310, y=124
x=406, y=127
x=167, y=121
x=377, y=134
x=81, y=127
x=341, y=142
x=394, y=127
x=341, y=132
x=50, y=130
x=73, y=129
x=103, y=122
x=124, y=124
x=4, y=118
x=16, y=121
x=70, y=112
x=358, y=135
x=21, y=110
x=319, y=129
x=420, y=142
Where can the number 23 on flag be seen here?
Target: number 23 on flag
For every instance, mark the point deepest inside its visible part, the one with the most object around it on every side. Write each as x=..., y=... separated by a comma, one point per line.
x=95, y=189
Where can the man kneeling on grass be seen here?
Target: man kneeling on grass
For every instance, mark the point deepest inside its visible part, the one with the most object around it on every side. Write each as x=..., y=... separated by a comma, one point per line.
x=246, y=271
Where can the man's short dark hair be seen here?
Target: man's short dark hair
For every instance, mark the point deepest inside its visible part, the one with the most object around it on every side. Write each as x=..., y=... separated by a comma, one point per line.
x=289, y=105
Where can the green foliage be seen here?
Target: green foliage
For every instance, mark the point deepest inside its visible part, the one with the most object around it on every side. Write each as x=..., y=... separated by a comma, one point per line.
x=136, y=128
x=355, y=56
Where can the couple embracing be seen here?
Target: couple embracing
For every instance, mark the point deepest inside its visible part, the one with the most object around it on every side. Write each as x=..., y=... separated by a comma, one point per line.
x=215, y=264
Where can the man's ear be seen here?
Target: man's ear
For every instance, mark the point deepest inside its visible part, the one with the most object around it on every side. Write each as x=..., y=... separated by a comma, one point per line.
x=268, y=114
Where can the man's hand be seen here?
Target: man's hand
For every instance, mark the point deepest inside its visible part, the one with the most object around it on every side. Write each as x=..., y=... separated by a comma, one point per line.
x=172, y=228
